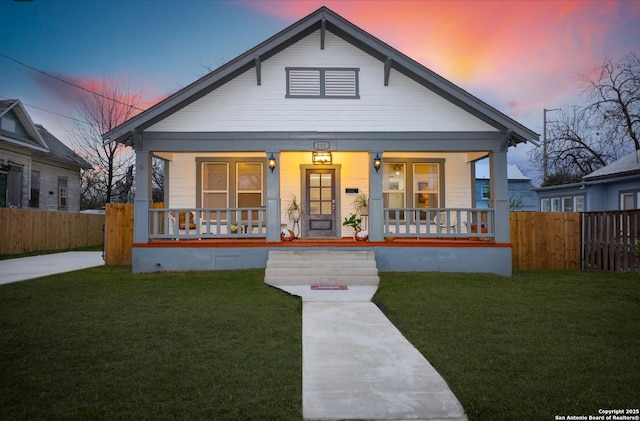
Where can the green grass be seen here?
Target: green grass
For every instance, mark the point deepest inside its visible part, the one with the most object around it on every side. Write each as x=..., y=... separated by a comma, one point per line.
x=528, y=347
x=104, y=343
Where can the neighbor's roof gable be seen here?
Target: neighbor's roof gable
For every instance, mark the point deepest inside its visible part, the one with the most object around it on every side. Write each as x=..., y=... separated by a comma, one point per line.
x=35, y=136
x=323, y=19
x=31, y=138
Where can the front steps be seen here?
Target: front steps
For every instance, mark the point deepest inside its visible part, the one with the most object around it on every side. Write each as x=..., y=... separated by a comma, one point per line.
x=321, y=267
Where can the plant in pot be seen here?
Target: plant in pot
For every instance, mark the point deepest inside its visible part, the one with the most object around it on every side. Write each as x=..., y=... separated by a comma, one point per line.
x=354, y=222
x=294, y=210
x=361, y=203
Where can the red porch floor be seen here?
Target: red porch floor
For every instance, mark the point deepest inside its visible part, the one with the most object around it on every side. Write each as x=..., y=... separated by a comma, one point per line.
x=344, y=242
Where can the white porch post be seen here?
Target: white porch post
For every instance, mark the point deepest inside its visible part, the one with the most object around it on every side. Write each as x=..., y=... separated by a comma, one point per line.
x=273, y=199
x=142, y=198
x=500, y=195
x=376, y=219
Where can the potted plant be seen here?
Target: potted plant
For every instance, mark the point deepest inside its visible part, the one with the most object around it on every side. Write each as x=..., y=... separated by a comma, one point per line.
x=361, y=203
x=354, y=222
x=294, y=210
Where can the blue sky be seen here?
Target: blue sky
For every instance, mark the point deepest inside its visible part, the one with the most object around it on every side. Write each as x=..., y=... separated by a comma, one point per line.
x=518, y=56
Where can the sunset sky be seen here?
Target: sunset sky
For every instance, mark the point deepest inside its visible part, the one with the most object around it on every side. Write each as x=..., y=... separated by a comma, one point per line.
x=518, y=56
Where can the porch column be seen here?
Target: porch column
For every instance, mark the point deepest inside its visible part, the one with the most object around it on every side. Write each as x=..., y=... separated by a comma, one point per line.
x=143, y=197
x=376, y=220
x=273, y=199
x=500, y=195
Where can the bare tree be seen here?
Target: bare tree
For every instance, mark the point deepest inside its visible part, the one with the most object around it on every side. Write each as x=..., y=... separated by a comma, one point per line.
x=111, y=178
x=591, y=136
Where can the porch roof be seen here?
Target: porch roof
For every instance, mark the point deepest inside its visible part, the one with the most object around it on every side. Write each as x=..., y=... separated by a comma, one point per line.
x=322, y=19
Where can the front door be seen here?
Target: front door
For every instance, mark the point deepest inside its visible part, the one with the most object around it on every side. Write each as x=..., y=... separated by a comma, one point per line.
x=321, y=202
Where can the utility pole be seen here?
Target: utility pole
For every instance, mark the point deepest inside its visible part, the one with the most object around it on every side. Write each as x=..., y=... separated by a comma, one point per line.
x=545, y=167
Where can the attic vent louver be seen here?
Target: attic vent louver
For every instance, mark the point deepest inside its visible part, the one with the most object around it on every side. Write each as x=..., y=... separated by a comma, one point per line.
x=322, y=83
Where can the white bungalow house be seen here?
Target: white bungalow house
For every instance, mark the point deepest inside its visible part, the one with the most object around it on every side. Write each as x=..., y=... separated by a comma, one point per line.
x=322, y=112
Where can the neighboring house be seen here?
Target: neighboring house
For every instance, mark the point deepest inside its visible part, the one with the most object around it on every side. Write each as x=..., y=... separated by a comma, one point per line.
x=36, y=169
x=612, y=187
x=322, y=111
x=522, y=197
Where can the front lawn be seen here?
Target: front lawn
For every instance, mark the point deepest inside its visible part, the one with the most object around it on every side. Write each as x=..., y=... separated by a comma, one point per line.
x=104, y=343
x=539, y=344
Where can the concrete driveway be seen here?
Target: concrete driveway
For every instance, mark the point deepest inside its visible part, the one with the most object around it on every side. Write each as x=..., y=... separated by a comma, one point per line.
x=23, y=268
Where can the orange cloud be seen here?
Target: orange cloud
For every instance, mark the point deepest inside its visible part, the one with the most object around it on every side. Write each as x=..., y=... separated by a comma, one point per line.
x=521, y=55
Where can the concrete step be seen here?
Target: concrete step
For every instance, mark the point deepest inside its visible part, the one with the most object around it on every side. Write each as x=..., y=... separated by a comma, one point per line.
x=321, y=264
x=322, y=267
x=322, y=255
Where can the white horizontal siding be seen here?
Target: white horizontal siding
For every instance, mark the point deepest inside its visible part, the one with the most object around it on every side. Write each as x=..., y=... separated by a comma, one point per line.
x=354, y=172
x=242, y=105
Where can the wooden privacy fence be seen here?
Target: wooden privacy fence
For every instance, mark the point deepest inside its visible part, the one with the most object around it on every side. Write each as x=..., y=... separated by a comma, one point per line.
x=31, y=230
x=611, y=240
x=118, y=234
x=545, y=240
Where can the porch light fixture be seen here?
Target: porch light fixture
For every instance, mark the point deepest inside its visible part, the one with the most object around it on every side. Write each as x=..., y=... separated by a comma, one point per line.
x=271, y=162
x=321, y=157
x=377, y=162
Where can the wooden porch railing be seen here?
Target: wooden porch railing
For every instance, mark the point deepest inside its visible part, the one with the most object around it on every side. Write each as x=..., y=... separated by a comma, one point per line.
x=439, y=222
x=196, y=223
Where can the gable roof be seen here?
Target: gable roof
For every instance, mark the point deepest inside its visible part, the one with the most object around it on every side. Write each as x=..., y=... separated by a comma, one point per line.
x=627, y=165
x=513, y=173
x=39, y=139
x=33, y=140
x=323, y=19
x=60, y=151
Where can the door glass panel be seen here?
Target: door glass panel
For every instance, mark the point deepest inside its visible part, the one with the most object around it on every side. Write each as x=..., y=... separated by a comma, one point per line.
x=320, y=194
x=627, y=201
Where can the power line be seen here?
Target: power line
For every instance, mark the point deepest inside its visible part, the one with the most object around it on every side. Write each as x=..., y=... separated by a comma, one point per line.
x=51, y=112
x=68, y=83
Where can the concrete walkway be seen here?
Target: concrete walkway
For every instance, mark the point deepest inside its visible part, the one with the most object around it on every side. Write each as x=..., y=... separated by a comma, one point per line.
x=358, y=366
x=23, y=268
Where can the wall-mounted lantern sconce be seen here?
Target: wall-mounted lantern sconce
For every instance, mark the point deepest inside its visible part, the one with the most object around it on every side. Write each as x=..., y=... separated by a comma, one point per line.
x=321, y=157
x=271, y=162
x=377, y=162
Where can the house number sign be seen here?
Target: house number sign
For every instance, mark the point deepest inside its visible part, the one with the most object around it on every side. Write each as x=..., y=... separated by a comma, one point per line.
x=321, y=145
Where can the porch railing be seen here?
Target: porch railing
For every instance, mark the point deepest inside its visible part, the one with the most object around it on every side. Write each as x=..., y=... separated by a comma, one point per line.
x=439, y=222
x=199, y=223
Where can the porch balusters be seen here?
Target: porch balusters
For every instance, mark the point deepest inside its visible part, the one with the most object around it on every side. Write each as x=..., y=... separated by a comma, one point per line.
x=438, y=222
x=202, y=223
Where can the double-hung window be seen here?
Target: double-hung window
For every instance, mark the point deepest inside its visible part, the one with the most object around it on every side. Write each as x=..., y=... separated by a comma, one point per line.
x=305, y=82
x=230, y=183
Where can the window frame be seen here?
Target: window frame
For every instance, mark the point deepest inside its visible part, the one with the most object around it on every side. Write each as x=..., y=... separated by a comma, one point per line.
x=322, y=88
x=232, y=177
x=410, y=180
x=635, y=194
x=63, y=198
